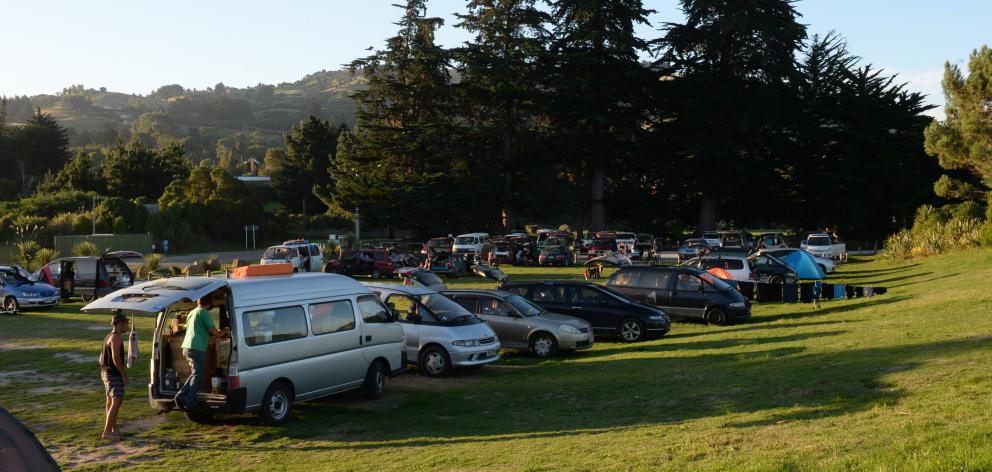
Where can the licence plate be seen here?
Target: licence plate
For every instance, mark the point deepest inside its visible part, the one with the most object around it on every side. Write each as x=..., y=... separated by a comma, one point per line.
x=492, y=352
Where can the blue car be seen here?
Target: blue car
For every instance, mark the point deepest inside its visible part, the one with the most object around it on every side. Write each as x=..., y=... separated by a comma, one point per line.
x=20, y=290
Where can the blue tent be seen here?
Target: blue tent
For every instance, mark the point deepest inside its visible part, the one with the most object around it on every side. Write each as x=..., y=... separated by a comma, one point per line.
x=804, y=264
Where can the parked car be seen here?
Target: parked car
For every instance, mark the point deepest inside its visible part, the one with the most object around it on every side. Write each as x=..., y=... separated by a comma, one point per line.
x=374, y=262
x=768, y=268
x=502, y=251
x=556, y=255
x=522, y=324
x=440, y=334
x=20, y=290
x=303, y=255
x=826, y=264
x=470, y=243
x=692, y=248
x=757, y=268
x=448, y=265
x=89, y=277
x=436, y=245
x=771, y=241
x=733, y=240
x=417, y=277
x=603, y=245
x=824, y=245
x=735, y=265
x=609, y=312
x=682, y=292
x=712, y=238
x=643, y=245
x=628, y=240
x=291, y=338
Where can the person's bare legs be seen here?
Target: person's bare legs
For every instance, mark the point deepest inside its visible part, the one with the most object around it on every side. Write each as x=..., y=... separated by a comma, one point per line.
x=110, y=430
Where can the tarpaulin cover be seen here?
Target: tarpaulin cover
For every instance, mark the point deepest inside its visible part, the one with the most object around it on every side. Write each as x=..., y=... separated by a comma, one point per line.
x=804, y=264
x=20, y=449
x=721, y=273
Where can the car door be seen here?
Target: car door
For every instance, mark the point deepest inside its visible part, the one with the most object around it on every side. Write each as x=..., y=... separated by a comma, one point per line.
x=380, y=336
x=654, y=288
x=334, y=324
x=552, y=297
x=407, y=314
x=687, y=299
x=593, y=306
x=511, y=329
x=316, y=259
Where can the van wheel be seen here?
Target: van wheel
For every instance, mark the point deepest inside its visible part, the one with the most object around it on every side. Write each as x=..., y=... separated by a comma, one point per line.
x=543, y=345
x=199, y=416
x=377, y=274
x=276, y=404
x=631, y=330
x=434, y=361
x=10, y=304
x=375, y=380
x=716, y=316
x=776, y=279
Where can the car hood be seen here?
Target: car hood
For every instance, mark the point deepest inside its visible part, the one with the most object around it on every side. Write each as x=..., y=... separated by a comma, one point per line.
x=557, y=319
x=38, y=287
x=473, y=331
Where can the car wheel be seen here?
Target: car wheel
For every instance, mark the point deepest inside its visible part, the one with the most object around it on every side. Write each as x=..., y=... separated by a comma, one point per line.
x=543, y=345
x=10, y=304
x=376, y=274
x=435, y=362
x=776, y=279
x=375, y=380
x=276, y=404
x=716, y=316
x=199, y=416
x=631, y=330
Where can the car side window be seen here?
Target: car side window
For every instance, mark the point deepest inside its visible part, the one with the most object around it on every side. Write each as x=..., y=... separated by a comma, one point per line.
x=274, y=325
x=332, y=317
x=588, y=296
x=372, y=310
x=406, y=309
x=491, y=306
x=688, y=282
x=314, y=249
x=630, y=278
x=654, y=279
x=469, y=303
x=548, y=294
x=522, y=291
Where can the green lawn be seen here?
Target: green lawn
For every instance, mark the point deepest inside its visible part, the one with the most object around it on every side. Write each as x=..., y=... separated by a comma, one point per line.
x=901, y=381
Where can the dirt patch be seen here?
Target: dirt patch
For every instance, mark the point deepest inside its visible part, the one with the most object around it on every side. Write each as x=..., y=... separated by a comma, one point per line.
x=77, y=358
x=97, y=328
x=63, y=389
x=18, y=347
x=120, y=454
x=32, y=376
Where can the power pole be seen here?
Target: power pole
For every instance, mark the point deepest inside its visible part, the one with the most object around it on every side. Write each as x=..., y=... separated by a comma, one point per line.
x=358, y=234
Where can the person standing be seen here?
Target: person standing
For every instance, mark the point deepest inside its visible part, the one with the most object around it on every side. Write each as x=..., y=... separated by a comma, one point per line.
x=199, y=329
x=114, y=374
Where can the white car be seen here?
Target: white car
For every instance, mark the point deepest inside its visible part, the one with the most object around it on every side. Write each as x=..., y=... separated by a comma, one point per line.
x=469, y=243
x=824, y=245
x=304, y=255
x=712, y=238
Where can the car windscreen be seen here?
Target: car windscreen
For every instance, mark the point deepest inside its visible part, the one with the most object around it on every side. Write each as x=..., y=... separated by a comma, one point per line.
x=278, y=253
x=428, y=278
x=526, y=307
x=446, y=310
x=10, y=276
x=464, y=240
x=818, y=241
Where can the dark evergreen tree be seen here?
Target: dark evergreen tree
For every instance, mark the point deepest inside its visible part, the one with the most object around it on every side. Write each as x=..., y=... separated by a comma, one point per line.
x=599, y=88
x=78, y=174
x=502, y=74
x=134, y=170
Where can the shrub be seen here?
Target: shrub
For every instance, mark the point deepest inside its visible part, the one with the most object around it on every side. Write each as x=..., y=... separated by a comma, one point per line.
x=152, y=265
x=212, y=263
x=27, y=255
x=44, y=256
x=85, y=248
x=61, y=224
x=933, y=235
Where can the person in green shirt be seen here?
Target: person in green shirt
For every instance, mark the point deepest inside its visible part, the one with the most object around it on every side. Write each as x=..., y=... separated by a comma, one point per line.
x=199, y=329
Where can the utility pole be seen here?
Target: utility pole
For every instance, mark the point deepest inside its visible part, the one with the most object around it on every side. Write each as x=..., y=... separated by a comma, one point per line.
x=358, y=234
x=94, y=214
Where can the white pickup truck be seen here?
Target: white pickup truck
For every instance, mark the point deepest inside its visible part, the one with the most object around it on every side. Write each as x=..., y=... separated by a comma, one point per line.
x=823, y=245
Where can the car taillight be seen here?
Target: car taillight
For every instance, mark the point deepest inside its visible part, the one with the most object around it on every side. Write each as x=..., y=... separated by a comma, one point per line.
x=233, y=381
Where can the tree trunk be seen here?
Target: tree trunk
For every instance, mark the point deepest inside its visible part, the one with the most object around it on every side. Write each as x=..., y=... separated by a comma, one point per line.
x=509, y=215
x=707, y=213
x=598, y=210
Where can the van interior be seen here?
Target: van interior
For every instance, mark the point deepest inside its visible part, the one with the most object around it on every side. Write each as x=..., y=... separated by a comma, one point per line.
x=172, y=369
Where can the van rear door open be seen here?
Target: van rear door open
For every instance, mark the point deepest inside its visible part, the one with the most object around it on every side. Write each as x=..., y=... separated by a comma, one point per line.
x=156, y=296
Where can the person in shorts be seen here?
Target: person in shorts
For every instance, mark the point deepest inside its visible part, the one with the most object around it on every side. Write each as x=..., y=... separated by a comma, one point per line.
x=199, y=329
x=113, y=373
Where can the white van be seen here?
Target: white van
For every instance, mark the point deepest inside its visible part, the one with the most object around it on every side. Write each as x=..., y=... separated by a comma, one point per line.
x=291, y=338
x=469, y=243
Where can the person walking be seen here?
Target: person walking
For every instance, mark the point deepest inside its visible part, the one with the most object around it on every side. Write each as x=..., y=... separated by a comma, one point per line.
x=114, y=374
x=199, y=329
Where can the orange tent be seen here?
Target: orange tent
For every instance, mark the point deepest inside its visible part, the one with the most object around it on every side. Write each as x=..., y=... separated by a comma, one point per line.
x=721, y=273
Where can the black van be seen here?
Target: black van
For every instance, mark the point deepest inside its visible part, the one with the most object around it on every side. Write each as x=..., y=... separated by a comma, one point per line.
x=683, y=292
x=609, y=312
x=89, y=277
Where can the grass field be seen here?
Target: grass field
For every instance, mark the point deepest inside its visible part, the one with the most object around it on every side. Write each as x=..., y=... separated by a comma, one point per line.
x=897, y=382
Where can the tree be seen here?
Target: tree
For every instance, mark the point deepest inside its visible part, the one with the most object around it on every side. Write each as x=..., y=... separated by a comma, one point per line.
x=599, y=86
x=502, y=70
x=135, y=170
x=301, y=172
x=404, y=131
x=166, y=92
x=963, y=141
x=220, y=89
x=78, y=174
x=729, y=67
x=38, y=147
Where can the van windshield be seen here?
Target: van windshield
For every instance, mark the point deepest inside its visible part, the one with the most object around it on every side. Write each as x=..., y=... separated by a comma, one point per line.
x=818, y=241
x=464, y=240
x=279, y=253
x=446, y=310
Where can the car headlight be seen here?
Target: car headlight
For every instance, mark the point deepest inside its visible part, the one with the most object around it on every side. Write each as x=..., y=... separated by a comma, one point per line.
x=466, y=343
x=738, y=305
x=569, y=329
x=658, y=317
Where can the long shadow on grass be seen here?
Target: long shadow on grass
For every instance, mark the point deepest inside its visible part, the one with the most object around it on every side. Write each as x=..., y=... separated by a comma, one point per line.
x=826, y=309
x=927, y=280
x=759, y=326
x=589, y=398
x=706, y=345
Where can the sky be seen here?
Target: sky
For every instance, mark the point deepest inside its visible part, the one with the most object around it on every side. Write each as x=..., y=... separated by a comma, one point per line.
x=138, y=45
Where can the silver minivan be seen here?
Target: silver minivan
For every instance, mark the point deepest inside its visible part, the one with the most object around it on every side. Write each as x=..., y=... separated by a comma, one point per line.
x=440, y=334
x=291, y=338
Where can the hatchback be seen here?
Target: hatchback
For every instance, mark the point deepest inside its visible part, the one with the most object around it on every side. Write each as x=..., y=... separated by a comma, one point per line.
x=684, y=292
x=19, y=289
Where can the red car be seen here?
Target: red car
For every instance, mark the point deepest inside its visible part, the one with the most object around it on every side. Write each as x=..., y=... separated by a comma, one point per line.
x=602, y=246
x=374, y=262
